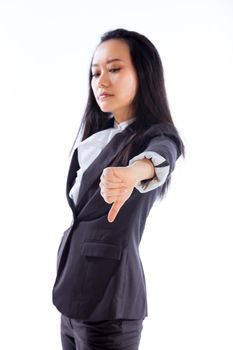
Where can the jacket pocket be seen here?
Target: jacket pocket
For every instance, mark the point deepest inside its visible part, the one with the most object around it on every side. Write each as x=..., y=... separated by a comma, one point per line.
x=101, y=263
x=101, y=250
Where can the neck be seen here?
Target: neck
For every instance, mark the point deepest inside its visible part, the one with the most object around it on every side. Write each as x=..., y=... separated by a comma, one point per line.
x=123, y=115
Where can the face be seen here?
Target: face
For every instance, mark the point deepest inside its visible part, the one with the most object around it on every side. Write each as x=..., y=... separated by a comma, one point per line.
x=114, y=79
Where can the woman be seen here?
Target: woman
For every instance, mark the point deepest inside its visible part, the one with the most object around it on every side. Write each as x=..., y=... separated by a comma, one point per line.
x=120, y=165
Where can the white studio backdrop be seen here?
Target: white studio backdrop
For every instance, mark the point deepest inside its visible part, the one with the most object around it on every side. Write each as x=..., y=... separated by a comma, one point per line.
x=186, y=250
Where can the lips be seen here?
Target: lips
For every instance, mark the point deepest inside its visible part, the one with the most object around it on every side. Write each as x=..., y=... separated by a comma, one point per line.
x=105, y=94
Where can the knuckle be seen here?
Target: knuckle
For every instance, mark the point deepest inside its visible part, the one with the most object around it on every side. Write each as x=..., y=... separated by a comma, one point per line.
x=107, y=172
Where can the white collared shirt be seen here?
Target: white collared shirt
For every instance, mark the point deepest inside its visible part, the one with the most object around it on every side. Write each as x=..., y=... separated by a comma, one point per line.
x=91, y=147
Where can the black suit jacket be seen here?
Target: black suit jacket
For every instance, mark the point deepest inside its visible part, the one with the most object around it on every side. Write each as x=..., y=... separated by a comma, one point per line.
x=99, y=271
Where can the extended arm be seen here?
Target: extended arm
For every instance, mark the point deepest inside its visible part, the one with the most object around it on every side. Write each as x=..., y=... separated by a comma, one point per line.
x=117, y=183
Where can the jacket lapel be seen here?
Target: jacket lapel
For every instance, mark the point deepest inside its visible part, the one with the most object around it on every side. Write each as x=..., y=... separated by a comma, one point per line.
x=106, y=156
x=72, y=173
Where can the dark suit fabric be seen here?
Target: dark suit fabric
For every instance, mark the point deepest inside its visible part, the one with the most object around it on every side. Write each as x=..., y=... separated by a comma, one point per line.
x=100, y=335
x=99, y=271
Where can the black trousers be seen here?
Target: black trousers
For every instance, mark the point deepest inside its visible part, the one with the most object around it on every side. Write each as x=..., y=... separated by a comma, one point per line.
x=117, y=334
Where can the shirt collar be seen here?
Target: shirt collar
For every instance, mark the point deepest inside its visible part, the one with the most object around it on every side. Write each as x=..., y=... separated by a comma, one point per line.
x=124, y=124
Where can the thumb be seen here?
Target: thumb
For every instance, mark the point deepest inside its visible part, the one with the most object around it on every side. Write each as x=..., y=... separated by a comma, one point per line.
x=114, y=210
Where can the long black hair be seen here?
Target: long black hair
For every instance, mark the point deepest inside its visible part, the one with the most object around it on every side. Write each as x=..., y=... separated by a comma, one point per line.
x=150, y=105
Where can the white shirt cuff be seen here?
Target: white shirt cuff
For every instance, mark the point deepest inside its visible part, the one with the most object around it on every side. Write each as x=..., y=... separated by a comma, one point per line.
x=161, y=172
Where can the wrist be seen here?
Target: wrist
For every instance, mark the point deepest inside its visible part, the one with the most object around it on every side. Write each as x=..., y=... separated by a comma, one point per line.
x=142, y=169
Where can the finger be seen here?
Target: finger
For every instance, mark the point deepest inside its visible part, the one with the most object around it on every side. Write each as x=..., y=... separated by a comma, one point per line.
x=114, y=210
x=111, y=192
x=112, y=184
x=108, y=171
x=111, y=179
x=109, y=174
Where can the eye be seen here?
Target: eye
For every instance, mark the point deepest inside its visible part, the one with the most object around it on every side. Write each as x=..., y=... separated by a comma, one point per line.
x=111, y=70
x=114, y=70
x=95, y=74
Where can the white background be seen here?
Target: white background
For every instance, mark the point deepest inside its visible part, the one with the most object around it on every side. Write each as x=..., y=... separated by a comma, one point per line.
x=187, y=247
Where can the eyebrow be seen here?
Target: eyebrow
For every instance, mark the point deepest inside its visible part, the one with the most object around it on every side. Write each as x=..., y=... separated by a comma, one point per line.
x=108, y=61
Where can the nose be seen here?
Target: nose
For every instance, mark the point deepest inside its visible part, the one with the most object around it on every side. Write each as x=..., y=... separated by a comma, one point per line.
x=103, y=80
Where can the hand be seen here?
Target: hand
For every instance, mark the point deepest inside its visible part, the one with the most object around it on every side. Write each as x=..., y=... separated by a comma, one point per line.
x=116, y=184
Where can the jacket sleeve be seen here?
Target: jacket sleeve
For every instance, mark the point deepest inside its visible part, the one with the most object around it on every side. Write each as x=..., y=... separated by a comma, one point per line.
x=162, y=151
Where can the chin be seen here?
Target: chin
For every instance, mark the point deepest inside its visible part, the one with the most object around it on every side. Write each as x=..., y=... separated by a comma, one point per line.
x=106, y=110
